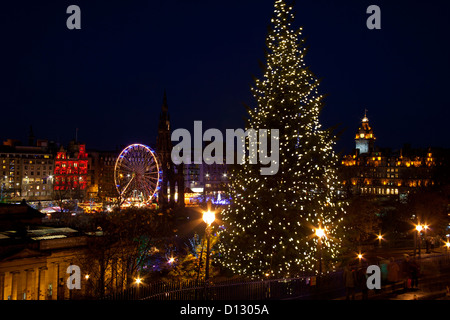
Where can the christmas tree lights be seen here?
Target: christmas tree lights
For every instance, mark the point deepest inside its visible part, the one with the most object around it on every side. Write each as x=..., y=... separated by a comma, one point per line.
x=271, y=222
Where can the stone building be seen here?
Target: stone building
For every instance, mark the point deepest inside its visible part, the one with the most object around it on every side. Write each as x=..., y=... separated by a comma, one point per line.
x=26, y=172
x=385, y=172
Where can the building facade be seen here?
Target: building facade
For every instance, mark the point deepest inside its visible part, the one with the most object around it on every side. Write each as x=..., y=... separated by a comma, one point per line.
x=386, y=172
x=207, y=181
x=71, y=168
x=27, y=172
x=101, y=172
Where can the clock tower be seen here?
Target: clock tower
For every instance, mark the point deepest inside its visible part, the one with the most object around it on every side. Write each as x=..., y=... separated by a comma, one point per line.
x=365, y=139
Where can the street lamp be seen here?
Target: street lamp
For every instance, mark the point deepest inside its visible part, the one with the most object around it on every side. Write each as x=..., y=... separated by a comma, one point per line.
x=425, y=228
x=360, y=257
x=320, y=233
x=380, y=237
x=209, y=217
x=419, y=228
x=137, y=281
x=447, y=245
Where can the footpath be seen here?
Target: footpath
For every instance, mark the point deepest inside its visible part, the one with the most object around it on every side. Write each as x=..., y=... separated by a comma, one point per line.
x=434, y=284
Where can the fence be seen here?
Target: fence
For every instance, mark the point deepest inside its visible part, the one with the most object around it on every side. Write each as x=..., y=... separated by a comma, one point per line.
x=328, y=286
x=233, y=290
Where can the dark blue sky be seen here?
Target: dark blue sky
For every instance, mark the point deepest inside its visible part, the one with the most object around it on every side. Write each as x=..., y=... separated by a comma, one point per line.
x=108, y=78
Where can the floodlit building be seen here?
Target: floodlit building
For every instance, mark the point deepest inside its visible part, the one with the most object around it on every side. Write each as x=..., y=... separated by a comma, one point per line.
x=71, y=168
x=378, y=171
x=26, y=172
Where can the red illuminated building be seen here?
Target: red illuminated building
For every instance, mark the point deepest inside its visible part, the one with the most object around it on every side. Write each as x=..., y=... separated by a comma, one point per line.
x=71, y=168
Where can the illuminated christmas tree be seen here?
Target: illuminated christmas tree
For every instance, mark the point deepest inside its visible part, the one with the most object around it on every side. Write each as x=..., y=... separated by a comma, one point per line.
x=270, y=225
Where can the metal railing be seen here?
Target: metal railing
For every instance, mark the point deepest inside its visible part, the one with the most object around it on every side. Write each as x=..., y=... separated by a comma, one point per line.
x=328, y=286
x=232, y=290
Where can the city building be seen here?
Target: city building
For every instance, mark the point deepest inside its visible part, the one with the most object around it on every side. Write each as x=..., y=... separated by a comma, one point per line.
x=206, y=182
x=34, y=258
x=216, y=182
x=26, y=172
x=386, y=172
x=71, y=170
x=101, y=172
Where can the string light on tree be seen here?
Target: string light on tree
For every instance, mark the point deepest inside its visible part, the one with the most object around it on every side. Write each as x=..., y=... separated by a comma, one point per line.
x=267, y=227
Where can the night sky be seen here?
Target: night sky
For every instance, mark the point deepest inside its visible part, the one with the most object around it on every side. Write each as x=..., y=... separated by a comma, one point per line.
x=108, y=78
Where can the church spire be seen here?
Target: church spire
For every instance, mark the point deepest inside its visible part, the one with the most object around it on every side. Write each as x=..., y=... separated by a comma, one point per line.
x=164, y=118
x=165, y=107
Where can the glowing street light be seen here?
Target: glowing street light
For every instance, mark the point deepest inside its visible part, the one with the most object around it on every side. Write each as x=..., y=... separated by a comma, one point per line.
x=209, y=217
x=419, y=229
x=320, y=233
x=137, y=281
x=379, y=237
x=360, y=257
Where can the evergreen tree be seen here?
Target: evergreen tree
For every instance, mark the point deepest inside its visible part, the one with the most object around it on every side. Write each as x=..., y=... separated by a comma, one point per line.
x=269, y=227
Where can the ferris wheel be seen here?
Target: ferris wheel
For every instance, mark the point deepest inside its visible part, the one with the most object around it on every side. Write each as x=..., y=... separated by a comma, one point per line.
x=137, y=173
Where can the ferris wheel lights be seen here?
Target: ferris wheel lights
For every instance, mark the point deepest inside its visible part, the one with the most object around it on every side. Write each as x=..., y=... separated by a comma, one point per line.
x=137, y=174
